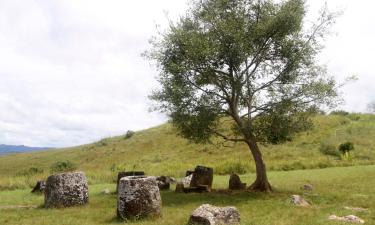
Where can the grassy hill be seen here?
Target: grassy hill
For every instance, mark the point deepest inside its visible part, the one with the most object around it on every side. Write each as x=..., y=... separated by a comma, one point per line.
x=158, y=151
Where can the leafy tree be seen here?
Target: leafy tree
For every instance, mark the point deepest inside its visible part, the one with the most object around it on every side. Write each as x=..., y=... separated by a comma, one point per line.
x=251, y=62
x=371, y=107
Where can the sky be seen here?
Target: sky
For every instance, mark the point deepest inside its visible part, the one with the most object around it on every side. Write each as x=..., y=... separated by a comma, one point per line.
x=71, y=71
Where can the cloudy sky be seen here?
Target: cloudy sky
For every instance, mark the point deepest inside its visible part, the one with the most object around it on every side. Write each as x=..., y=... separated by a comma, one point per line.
x=71, y=70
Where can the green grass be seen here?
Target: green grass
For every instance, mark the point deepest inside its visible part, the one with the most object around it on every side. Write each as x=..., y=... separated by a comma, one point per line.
x=334, y=188
x=159, y=151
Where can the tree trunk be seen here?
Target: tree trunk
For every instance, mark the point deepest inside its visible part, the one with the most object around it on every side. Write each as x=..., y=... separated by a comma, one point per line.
x=261, y=183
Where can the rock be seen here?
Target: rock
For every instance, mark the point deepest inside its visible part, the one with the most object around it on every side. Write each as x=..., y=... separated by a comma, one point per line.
x=356, y=209
x=235, y=182
x=164, y=182
x=202, y=176
x=138, y=197
x=348, y=219
x=189, y=172
x=299, y=201
x=211, y=215
x=106, y=191
x=65, y=190
x=39, y=187
x=173, y=180
x=179, y=187
x=127, y=174
x=187, y=180
x=307, y=187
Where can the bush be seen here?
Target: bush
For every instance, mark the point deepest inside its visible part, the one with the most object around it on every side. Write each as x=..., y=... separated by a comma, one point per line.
x=346, y=147
x=129, y=134
x=231, y=167
x=63, y=166
x=339, y=112
x=328, y=148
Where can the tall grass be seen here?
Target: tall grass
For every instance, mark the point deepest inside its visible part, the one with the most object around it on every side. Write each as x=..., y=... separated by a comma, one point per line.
x=158, y=151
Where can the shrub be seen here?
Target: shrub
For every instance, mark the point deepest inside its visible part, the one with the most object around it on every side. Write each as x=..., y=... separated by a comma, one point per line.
x=129, y=134
x=339, y=112
x=346, y=147
x=231, y=167
x=63, y=166
x=328, y=148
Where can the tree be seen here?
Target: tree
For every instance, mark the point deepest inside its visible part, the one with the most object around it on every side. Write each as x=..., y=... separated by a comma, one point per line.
x=371, y=107
x=250, y=62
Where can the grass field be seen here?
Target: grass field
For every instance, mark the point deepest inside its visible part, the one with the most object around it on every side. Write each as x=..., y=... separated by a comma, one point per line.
x=334, y=188
x=158, y=151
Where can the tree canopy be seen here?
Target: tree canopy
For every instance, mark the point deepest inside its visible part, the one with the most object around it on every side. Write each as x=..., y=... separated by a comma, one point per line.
x=253, y=62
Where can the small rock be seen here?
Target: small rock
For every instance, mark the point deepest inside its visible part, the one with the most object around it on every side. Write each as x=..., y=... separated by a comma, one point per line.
x=66, y=189
x=164, y=182
x=39, y=187
x=173, y=180
x=211, y=215
x=187, y=180
x=299, y=201
x=307, y=187
x=189, y=172
x=138, y=197
x=106, y=191
x=179, y=187
x=356, y=209
x=235, y=183
x=349, y=219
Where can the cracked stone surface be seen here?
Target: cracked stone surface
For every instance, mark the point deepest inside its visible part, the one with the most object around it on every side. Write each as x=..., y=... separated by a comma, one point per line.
x=299, y=201
x=348, y=219
x=138, y=197
x=207, y=214
x=65, y=190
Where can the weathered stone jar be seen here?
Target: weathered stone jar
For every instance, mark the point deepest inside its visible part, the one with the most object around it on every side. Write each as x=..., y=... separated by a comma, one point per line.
x=65, y=190
x=138, y=197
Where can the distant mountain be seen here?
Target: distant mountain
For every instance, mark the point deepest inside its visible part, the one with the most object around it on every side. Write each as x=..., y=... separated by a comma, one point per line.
x=7, y=149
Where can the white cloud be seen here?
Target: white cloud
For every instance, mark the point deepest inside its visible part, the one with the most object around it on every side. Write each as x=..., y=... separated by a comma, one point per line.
x=71, y=71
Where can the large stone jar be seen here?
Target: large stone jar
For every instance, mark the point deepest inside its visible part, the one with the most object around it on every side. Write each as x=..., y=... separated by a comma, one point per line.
x=65, y=190
x=138, y=197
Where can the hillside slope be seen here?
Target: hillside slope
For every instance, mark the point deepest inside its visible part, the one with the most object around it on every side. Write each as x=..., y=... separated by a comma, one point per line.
x=159, y=151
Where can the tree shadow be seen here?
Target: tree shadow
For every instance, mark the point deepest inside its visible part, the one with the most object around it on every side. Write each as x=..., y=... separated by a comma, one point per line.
x=219, y=197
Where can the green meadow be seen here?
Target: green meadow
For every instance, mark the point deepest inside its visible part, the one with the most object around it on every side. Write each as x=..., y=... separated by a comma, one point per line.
x=334, y=188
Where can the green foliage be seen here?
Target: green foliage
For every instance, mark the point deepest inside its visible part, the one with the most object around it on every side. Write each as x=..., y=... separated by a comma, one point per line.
x=329, y=148
x=242, y=60
x=346, y=147
x=339, y=112
x=281, y=124
x=129, y=134
x=230, y=167
x=63, y=166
